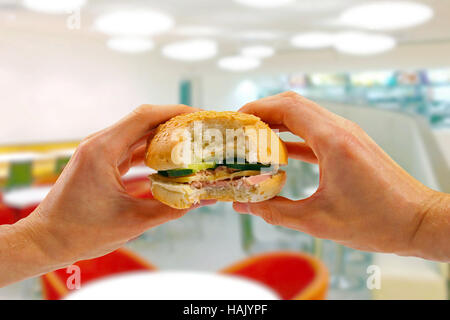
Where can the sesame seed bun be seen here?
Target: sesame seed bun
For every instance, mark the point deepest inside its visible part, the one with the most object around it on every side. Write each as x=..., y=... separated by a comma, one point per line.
x=258, y=144
x=160, y=152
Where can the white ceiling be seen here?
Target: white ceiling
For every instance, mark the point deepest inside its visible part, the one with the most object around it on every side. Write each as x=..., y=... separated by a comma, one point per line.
x=231, y=19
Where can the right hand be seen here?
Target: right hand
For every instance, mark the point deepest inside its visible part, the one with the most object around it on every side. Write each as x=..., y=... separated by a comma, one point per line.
x=364, y=200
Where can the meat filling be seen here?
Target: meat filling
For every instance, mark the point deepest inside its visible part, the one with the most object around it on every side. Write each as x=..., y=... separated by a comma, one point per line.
x=246, y=181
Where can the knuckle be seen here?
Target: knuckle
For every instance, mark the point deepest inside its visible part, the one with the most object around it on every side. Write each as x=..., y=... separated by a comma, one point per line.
x=86, y=148
x=82, y=155
x=338, y=141
x=89, y=149
x=143, y=110
x=325, y=137
x=271, y=216
x=291, y=100
x=290, y=94
x=346, y=144
x=352, y=126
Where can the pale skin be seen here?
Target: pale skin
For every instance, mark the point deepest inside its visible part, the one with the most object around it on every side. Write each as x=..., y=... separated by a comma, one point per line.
x=88, y=213
x=365, y=200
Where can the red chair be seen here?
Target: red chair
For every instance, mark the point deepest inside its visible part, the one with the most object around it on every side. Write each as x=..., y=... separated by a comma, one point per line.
x=25, y=212
x=7, y=215
x=54, y=284
x=294, y=276
x=25, y=200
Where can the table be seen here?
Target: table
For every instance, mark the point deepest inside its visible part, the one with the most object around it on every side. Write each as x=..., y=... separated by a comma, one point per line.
x=174, y=285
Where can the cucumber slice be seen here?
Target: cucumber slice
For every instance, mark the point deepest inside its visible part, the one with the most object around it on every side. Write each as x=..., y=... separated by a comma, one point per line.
x=211, y=165
x=176, y=172
x=202, y=166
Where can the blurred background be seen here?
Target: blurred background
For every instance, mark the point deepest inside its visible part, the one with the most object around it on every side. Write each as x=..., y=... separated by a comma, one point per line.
x=71, y=67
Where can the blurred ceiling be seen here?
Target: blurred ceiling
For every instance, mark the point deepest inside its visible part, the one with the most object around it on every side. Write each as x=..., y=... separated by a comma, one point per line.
x=231, y=24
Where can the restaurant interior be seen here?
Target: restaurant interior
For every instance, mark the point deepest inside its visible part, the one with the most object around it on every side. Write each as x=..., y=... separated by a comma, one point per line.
x=69, y=68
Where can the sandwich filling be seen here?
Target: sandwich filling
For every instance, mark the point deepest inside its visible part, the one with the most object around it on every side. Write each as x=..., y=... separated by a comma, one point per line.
x=219, y=175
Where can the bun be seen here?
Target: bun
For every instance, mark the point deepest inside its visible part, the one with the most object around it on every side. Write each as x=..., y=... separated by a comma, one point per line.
x=164, y=150
x=183, y=196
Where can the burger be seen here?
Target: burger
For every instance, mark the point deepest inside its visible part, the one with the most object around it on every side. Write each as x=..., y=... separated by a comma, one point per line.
x=206, y=155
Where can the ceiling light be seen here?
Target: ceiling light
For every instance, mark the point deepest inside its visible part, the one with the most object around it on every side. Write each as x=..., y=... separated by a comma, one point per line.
x=260, y=35
x=130, y=44
x=312, y=40
x=359, y=43
x=264, y=3
x=134, y=23
x=258, y=51
x=307, y=6
x=54, y=6
x=239, y=63
x=196, y=31
x=191, y=50
x=387, y=15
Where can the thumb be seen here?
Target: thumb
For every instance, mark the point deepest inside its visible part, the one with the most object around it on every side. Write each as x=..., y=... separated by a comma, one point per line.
x=294, y=214
x=155, y=213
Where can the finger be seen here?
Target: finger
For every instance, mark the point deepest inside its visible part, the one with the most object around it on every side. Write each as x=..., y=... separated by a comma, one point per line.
x=279, y=127
x=142, y=141
x=140, y=122
x=282, y=211
x=298, y=114
x=136, y=158
x=301, y=151
x=136, y=153
x=155, y=213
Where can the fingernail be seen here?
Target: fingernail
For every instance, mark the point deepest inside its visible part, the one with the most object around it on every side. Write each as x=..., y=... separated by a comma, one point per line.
x=241, y=207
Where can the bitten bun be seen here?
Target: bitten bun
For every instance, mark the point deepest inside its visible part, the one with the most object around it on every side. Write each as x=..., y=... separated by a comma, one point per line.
x=247, y=136
x=160, y=153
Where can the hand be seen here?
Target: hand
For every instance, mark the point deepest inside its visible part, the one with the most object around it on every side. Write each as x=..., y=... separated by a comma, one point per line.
x=364, y=200
x=88, y=213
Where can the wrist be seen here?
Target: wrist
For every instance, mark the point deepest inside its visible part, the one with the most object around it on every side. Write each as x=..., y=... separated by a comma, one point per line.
x=431, y=235
x=36, y=233
x=24, y=253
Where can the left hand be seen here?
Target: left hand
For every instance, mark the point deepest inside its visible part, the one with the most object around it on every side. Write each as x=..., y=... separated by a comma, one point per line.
x=88, y=212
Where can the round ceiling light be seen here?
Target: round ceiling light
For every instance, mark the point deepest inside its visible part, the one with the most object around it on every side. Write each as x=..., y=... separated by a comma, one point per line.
x=359, y=43
x=130, y=44
x=387, y=15
x=239, y=63
x=264, y=3
x=196, y=31
x=191, y=50
x=134, y=23
x=258, y=51
x=260, y=35
x=313, y=40
x=54, y=6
